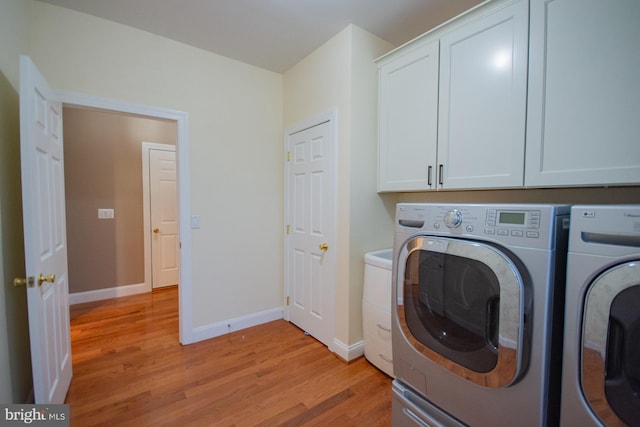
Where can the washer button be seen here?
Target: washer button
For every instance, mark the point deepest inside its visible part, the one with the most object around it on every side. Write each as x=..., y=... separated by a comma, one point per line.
x=436, y=226
x=489, y=231
x=469, y=228
x=533, y=234
x=517, y=233
x=502, y=232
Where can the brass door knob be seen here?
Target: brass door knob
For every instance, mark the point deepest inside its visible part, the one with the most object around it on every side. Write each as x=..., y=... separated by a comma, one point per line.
x=21, y=281
x=48, y=278
x=156, y=230
x=323, y=247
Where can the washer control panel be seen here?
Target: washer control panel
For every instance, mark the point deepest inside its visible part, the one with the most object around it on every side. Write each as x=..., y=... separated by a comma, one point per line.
x=453, y=218
x=516, y=223
x=511, y=222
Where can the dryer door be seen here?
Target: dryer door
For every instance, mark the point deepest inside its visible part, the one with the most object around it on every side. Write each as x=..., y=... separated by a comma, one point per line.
x=462, y=304
x=610, y=351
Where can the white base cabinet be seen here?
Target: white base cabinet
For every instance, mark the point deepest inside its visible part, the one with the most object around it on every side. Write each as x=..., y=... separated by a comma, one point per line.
x=376, y=310
x=583, y=124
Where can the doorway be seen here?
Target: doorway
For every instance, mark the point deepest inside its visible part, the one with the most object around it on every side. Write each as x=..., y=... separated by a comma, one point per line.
x=106, y=200
x=186, y=335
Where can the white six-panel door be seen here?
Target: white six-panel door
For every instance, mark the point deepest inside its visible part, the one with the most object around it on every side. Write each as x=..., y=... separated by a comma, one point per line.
x=164, y=217
x=45, y=241
x=311, y=246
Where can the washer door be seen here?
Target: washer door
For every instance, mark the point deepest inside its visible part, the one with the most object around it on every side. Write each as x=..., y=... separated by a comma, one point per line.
x=610, y=368
x=462, y=305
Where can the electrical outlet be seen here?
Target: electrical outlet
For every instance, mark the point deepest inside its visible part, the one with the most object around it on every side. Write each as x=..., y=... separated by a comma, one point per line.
x=105, y=214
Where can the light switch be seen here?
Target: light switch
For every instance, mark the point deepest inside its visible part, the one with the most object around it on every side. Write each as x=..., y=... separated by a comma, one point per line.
x=105, y=214
x=195, y=221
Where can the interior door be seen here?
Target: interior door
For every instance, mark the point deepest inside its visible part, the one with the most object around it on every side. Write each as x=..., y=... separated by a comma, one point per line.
x=164, y=217
x=311, y=260
x=45, y=241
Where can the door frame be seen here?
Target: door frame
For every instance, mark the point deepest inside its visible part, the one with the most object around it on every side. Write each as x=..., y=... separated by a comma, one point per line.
x=330, y=116
x=146, y=208
x=186, y=328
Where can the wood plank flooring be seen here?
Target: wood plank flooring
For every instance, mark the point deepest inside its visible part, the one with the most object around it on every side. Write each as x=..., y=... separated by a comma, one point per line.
x=130, y=370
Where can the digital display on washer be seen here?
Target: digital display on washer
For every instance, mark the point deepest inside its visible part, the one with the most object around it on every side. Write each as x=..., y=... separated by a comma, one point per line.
x=516, y=218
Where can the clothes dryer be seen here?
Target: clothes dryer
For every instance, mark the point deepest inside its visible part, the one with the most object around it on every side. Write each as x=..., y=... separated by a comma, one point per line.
x=601, y=368
x=477, y=290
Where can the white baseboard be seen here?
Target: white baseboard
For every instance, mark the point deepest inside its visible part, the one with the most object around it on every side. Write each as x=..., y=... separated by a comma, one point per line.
x=213, y=330
x=107, y=293
x=348, y=352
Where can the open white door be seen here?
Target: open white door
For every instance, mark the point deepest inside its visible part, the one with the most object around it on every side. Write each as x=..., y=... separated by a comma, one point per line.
x=45, y=240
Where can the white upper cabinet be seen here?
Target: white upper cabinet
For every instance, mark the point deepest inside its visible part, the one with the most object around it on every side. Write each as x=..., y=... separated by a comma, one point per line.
x=408, y=119
x=453, y=104
x=483, y=98
x=583, y=119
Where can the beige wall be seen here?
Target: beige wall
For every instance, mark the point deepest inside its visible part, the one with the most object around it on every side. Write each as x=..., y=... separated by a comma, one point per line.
x=341, y=74
x=103, y=169
x=235, y=144
x=317, y=84
x=15, y=357
x=371, y=214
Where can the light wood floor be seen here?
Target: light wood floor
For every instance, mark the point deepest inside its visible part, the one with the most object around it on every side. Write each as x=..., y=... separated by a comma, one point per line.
x=129, y=369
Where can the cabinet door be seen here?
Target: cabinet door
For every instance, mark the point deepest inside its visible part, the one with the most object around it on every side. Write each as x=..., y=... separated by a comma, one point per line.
x=584, y=97
x=408, y=109
x=483, y=89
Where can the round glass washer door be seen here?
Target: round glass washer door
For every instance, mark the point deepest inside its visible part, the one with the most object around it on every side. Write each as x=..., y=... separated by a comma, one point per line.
x=610, y=350
x=462, y=305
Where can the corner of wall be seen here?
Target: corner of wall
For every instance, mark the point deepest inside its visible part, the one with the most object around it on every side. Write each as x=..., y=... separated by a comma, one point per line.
x=15, y=355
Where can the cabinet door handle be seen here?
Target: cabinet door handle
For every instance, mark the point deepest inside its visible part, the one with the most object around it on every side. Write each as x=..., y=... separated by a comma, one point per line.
x=383, y=328
x=440, y=173
x=386, y=359
x=429, y=169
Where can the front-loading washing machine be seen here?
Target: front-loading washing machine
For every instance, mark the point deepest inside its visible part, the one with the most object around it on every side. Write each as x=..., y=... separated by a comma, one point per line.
x=476, y=291
x=601, y=368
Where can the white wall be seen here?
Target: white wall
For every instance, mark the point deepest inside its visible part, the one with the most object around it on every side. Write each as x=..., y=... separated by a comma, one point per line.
x=342, y=74
x=13, y=37
x=235, y=133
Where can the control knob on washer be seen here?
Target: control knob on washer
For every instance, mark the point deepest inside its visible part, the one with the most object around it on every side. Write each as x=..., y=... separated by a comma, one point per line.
x=453, y=218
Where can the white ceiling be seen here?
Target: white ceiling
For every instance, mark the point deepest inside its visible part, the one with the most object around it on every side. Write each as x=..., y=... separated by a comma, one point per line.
x=271, y=34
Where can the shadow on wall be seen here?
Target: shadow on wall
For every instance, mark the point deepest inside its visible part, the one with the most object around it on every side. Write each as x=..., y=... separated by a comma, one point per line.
x=15, y=354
